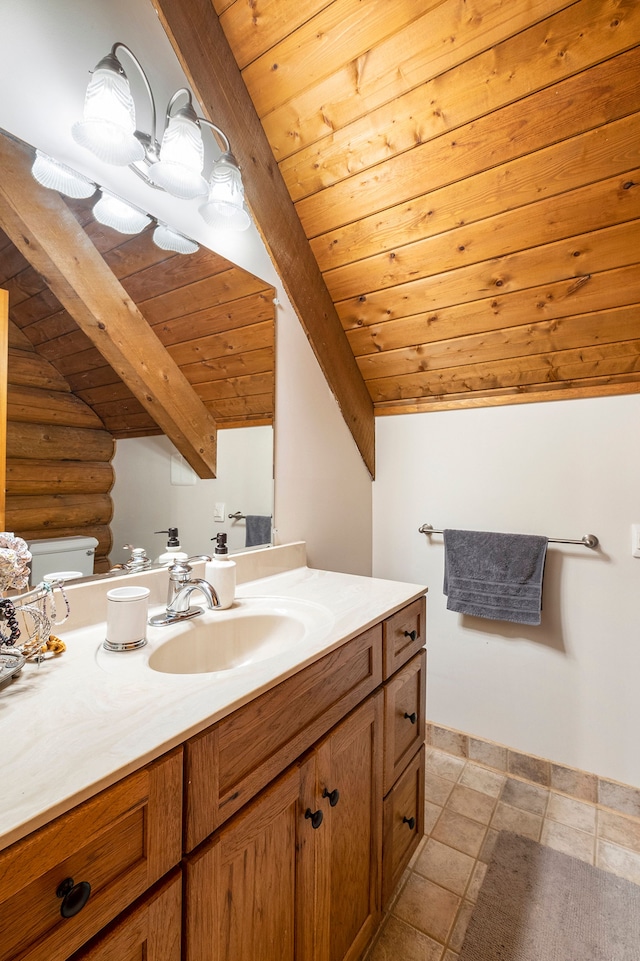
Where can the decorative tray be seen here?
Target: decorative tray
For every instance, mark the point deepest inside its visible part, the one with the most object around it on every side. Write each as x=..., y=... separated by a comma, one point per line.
x=11, y=663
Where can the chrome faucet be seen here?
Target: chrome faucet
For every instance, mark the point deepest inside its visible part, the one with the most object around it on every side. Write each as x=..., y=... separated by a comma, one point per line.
x=181, y=586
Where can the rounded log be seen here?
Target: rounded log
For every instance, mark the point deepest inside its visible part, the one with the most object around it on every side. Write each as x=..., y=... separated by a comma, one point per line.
x=58, y=443
x=53, y=512
x=26, y=476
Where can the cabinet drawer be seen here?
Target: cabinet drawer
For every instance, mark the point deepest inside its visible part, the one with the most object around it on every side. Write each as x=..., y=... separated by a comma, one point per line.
x=233, y=760
x=403, y=824
x=149, y=931
x=119, y=842
x=404, y=633
x=404, y=716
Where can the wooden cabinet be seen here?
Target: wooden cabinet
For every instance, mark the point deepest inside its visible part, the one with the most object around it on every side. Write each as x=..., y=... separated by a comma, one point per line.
x=60, y=885
x=230, y=762
x=296, y=874
x=299, y=813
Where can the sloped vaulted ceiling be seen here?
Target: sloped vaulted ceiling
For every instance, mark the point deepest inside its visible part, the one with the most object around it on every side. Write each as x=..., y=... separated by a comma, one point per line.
x=466, y=173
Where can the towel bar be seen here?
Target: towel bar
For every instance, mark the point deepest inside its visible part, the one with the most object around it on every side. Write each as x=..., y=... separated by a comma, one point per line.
x=587, y=540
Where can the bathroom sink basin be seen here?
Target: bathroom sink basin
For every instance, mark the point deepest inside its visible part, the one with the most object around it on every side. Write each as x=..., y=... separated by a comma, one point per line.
x=251, y=631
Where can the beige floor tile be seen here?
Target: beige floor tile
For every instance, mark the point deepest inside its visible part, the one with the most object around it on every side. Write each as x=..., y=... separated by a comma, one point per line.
x=450, y=956
x=445, y=866
x=487, y=846
x=399, y=940
x=428, y=907
x=444, y=765
x=477, y=877
x=473, y=804
x=507, y=818
x=527, y=797
x=431, y=814
x=618, y=860
x=563, y=838
x=460, y=927
x=436, y=789
x=619, y=829
x=478, y=778
x=575, y=814
x=459, y=832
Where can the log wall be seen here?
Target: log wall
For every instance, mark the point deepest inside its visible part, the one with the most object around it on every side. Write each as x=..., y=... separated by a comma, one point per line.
x=58, y=456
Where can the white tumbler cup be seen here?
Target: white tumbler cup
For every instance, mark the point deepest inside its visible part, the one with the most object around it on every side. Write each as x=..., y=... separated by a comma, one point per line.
x=127, y=609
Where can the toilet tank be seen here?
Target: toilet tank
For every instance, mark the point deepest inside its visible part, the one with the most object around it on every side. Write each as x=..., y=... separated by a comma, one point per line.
x=62, y=556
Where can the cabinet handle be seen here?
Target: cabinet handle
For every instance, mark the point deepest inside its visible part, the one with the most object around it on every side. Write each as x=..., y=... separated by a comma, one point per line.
x=411, y=634
x=74, y=896
x=316, y=818
x=334, y=796
x=410, y=821
x=411, y=717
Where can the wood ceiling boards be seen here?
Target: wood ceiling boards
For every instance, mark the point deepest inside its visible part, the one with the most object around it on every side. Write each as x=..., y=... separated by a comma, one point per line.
x=468, y=177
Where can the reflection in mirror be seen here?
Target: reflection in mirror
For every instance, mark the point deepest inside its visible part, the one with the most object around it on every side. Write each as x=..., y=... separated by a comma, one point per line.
x=156, y=489
x=67, y=407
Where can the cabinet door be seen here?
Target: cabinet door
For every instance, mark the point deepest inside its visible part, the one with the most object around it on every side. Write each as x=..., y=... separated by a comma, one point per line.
x=242, y=886
x=348, y=789
x=150, y=931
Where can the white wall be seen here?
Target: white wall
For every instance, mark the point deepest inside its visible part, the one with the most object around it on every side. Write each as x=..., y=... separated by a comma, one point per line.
x=146, y=501
x=568, y=689
x=323, y=489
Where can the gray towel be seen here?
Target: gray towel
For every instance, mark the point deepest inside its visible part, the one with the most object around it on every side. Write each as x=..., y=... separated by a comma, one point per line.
x=258, y=529
x=498, y=576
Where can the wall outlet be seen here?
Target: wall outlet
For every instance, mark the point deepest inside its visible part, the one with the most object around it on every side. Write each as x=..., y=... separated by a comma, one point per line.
x=635, y=540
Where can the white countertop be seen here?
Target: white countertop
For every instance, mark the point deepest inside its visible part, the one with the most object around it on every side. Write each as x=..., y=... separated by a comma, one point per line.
x=81, y=721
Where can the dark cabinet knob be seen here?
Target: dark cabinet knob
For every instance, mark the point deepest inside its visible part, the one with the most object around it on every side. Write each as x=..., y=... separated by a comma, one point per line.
x=411, y=634
x=316, y=818
x=410, y=821
x=411, y=717
x=74, y=896
x=334, y=796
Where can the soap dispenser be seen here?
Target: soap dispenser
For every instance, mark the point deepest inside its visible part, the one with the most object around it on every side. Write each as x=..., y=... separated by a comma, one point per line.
x=221, y=572
x=173, y=552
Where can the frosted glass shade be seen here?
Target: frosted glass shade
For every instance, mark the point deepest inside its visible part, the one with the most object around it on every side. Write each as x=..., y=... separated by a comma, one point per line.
x=225, y=203
x=179, y=170
x=168, y=239
x=57, y=176
x=107, y=129
x=113, y=212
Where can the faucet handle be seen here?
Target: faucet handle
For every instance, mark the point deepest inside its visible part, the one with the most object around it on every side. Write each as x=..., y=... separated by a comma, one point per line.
x=199, y=557
x=180, y=571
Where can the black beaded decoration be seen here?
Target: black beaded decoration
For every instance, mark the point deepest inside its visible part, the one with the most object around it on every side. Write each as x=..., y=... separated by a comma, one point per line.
x=8, y=614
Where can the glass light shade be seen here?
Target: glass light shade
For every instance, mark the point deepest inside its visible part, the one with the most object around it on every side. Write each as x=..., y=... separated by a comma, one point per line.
x=57, y=176
x=107, y=129
x=225, y=203
x=168, y=239
x=116, y=213
x=179, y=170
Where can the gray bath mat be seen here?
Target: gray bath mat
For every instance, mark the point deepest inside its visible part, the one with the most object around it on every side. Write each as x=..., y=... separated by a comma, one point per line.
x=536, y=904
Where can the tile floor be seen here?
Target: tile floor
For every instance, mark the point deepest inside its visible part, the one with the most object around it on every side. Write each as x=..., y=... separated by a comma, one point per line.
x=466, y=805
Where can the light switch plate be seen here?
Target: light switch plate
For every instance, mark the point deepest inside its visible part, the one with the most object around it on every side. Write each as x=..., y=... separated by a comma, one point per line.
x=635, y=540
x=218, y=513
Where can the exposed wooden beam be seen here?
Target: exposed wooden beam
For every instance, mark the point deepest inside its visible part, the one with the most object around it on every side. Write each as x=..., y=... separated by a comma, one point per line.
x=201, y=46
x=43, y=228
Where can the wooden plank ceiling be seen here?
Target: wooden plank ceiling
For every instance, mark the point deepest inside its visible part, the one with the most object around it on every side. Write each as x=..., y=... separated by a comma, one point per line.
x=215, y=320
x=467, y=173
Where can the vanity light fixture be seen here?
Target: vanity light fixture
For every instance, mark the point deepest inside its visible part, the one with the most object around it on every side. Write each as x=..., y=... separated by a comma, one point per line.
x=175, y=165
x=57, y=176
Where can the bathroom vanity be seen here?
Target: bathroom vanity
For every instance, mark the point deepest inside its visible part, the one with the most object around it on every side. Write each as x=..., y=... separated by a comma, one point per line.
x=274, y=827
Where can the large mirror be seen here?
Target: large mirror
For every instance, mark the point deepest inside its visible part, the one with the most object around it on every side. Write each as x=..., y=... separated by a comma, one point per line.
x=66, y=406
